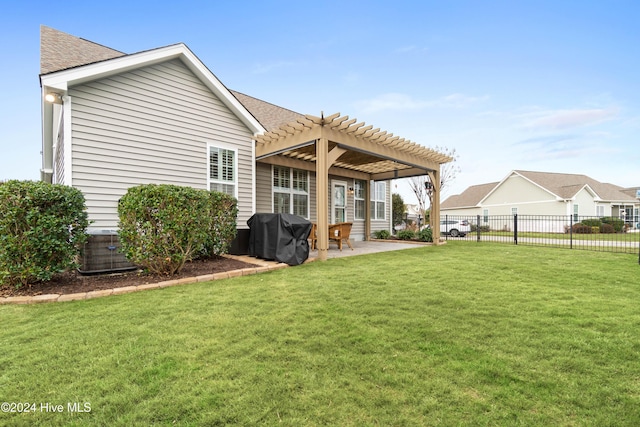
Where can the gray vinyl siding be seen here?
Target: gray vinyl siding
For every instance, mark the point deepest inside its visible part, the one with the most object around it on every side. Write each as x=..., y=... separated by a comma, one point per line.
x=151, y=125
x=264, y=185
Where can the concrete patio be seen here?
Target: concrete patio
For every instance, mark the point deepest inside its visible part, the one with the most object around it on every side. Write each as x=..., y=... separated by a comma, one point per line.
x=364, y=247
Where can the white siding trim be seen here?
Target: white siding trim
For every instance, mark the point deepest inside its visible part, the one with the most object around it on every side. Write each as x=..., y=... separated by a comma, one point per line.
x=66, y=141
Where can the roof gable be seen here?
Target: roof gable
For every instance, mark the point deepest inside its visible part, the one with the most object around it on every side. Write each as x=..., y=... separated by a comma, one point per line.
x=59, y=81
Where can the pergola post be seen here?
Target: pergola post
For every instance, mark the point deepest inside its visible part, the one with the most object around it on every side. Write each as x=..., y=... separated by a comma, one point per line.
x=322, y=196
x=435, y=207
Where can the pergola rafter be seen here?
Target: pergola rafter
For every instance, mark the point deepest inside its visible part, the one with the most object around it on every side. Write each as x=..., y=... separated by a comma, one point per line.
x=338, y=143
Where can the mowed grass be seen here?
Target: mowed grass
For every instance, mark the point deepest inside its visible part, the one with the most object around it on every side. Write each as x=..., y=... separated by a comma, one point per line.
x=461, y=334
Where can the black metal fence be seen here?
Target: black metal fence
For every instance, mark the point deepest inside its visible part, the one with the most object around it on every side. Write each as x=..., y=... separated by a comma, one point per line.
x=607, y=234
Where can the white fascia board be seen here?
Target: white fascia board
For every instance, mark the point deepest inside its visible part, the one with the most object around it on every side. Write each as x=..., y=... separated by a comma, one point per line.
x=62, y=80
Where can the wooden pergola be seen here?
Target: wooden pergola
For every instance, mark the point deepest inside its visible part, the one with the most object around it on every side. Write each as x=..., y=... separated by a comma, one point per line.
x=347, y=148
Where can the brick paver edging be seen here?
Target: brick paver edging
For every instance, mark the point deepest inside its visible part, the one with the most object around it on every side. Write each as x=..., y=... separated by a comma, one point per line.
x=261, y=267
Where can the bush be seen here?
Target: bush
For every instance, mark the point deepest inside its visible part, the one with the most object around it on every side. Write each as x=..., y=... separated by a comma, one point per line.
x=381, y=234
x=425, y=235
x=581, y=229
x=607, y=228
x=483, y=228
x=163, y=226
x=616, y=223
x=592, y=222
x=406, y=234
x=222, y=230
x=42, y=227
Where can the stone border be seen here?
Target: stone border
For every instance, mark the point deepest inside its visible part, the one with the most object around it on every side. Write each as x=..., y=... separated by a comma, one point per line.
x=261, y=267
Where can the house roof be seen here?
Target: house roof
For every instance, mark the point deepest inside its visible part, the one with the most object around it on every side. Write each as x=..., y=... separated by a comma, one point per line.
x=470, y=197
x=562, y=185
x=61, y=51
x=566, y=186
x=269, y=115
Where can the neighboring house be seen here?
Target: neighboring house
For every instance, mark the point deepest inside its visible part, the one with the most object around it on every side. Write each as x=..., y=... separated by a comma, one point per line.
x=113, y=120
x=543, y=193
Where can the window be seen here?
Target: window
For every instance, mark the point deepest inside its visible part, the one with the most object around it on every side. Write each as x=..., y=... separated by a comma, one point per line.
x=222, y=170
x=600, y=211
x=358, y=195
x=514, y=211
x=290, y=191
x=575, y=213
x=378, y=199
x=485, y=215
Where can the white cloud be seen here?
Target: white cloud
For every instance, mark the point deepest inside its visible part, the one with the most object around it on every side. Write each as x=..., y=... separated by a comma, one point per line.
x=566, y=119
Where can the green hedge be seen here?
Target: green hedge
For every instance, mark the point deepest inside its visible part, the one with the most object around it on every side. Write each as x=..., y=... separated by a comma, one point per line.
x=381, y=234
x=426, y=234
x=42, y=227
x=164, y=226
x=616, y=223
x=222, y=229
x=406, y=234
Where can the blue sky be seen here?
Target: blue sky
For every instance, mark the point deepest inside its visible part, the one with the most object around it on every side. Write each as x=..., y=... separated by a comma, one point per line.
x=535, y=85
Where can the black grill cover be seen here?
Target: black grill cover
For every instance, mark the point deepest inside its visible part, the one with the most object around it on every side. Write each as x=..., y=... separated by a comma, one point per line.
x=280, y=237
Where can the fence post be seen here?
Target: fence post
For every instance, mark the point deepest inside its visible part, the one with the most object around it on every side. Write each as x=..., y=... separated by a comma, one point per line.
x=570, y=231
x=515, y=228
x=478, y=229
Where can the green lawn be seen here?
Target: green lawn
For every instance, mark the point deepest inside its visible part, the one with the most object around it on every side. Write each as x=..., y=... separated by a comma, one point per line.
x=462, y=334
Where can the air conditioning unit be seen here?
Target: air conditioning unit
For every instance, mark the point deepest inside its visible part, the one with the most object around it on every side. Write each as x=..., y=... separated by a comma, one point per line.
x=101, y=254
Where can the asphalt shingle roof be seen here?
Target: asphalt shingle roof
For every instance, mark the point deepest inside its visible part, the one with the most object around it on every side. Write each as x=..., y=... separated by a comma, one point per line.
x=563, y=185
x=60, y=51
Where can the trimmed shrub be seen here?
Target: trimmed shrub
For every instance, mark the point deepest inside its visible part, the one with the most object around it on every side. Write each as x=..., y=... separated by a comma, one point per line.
x=425, y=235
x=406, y=234
x=592, y=222
x=222, y=230
x=42, y=227
x=616, y=223
x=163, y=226
x=607, y=228
x=381, y=234
x=581, y=229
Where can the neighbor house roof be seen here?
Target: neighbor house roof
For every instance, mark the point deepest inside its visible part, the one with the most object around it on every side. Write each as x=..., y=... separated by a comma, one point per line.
x=470, y=197
x=566, y=185
x=563, y=185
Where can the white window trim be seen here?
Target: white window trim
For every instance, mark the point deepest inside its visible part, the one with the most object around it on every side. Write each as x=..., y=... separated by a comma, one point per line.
x=223, y=146
x=374, y=212
x=355, y=199
x=291, y=191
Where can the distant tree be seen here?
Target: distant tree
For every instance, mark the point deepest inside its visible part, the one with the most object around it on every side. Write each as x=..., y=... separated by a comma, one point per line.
x=448, y=173
x=397, y=208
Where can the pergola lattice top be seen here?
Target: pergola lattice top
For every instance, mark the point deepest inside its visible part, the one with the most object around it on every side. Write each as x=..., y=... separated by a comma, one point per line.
x=361, y=147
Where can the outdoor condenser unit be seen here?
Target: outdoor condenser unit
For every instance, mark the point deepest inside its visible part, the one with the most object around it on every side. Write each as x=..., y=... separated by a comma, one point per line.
x=101, y=254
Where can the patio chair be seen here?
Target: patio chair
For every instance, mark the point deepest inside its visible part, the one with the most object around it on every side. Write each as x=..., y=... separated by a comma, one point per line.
x=340, y=232
x=313, y=236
